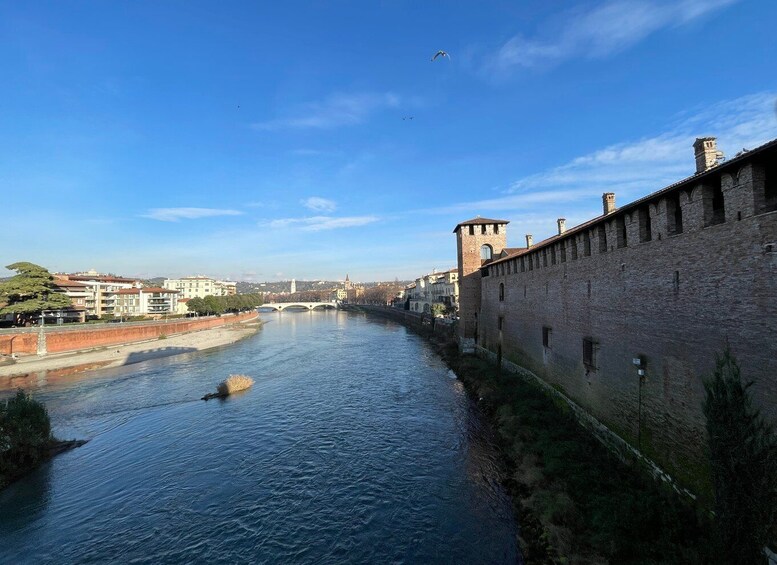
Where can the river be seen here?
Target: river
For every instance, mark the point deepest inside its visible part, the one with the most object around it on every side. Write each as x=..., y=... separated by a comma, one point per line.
x=355, y=445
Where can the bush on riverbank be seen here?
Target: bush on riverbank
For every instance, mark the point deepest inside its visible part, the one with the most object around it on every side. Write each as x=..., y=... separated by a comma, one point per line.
x=25, y=436
x=576, y=502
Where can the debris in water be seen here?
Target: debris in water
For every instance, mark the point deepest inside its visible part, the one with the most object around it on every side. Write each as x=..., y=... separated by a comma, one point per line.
x=232, y=384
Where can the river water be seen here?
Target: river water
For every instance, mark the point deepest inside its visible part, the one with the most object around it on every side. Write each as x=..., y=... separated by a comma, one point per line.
x=355, y=445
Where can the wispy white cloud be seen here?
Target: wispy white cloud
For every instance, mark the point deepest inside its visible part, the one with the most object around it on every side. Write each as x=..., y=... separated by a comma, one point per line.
x=608, y=28
x=631, y=169
x=178, y=214
x=318, y=204
x=337, y=110
x=321, y=223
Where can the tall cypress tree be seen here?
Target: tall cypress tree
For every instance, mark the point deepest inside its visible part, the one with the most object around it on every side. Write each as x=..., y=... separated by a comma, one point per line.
x=743, y=460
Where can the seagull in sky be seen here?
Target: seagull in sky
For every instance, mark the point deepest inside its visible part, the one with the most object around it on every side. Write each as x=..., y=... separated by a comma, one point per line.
x=441, y=53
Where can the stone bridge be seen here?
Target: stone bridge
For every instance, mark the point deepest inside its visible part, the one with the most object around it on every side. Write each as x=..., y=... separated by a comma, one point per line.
x=281, y=306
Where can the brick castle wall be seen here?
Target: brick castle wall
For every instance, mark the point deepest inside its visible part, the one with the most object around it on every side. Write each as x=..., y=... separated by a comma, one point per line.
x=677, y=300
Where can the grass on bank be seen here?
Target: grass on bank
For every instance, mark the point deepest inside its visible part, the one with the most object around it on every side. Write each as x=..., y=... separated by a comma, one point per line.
x=578, y=503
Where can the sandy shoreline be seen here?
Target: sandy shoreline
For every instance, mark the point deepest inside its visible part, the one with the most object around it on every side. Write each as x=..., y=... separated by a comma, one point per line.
x=117, y=355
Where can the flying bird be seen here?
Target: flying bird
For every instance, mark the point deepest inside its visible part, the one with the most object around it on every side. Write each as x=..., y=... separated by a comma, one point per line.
x=408, y=118
x=441, y=54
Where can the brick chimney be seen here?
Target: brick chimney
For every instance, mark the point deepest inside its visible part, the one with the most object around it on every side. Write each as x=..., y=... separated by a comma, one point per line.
x=529, y=240
x=562, y=225
x=705, y=150
x=608, y=202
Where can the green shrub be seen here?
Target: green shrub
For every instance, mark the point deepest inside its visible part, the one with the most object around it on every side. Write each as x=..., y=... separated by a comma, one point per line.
x=25, y=435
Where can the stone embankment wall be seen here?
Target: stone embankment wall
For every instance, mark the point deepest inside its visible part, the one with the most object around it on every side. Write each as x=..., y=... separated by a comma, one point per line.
x=73, y=339
x=414, y=320
x=579, y=309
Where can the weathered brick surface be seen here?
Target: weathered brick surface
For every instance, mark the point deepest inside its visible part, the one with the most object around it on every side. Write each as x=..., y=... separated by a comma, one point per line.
x=469, y=262
x=73, y=340
x=678, y=300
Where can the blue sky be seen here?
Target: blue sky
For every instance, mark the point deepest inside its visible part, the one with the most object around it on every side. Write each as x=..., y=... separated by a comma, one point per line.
x=265, y=141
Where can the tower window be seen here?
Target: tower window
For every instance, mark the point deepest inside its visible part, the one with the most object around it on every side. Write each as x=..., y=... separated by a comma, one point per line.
x=471, y=230
x=483, y=229
x=486, y=252
x=501, y=292
x=496, y=228
x=546, y=335
x=587, y=244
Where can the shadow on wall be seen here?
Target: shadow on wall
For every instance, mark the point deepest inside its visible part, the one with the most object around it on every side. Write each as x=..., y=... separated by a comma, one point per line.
x=139, y=356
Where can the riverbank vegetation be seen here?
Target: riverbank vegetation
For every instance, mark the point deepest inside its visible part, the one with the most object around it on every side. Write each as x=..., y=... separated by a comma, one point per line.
x=576, y=502
x=222, y=304
x=25, y=437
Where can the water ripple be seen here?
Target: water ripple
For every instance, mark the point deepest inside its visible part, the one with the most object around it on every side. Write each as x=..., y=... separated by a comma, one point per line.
x=354, y=445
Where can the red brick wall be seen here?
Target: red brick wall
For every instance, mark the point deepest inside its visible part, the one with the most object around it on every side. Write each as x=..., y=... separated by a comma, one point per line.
x=18, y=343
x=73, y=340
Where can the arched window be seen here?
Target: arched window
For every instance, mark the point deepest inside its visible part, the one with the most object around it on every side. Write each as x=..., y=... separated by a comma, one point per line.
x=486, y=252
x=501, y=292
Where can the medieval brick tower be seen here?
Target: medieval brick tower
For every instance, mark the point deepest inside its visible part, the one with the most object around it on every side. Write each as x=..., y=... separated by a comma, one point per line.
x=478, y=241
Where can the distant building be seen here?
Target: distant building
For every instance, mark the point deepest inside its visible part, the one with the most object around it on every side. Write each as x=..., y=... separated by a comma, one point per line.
x=101, y=290
x=293, y=286
x=153, y=301
x=441, y=288
x=78, y=293
x=200, y=286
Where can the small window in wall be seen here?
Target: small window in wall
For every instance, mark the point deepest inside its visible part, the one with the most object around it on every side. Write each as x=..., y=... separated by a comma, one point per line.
x=712, y=197
x=496, y=228
x=674, y=214
x=645, y=233
x=563, y=249
x=546, y=337
x=573, y=248
x=552, y=254
x=483, y=229
x=602, y=234
x=531, y=263
x=486, y=252
x=501, y=292
x=587, y=244
x=537, y=260
x=509, y=267
x=500, y=323
x=589, y=354
x=620, y=228
x=471, y=230
x=523, y=265
x=544, y=257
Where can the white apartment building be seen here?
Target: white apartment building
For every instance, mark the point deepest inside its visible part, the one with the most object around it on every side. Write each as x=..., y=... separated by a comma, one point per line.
x=200, y=286
x=153, y=301
x=99, y=292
